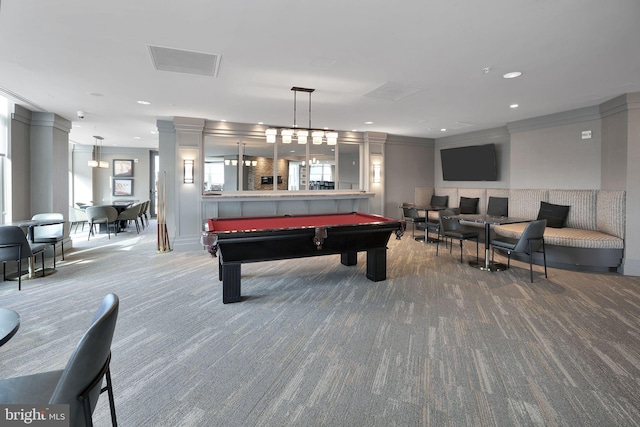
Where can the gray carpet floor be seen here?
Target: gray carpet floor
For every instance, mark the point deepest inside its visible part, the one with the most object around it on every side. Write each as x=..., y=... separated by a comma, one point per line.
x=316, y=343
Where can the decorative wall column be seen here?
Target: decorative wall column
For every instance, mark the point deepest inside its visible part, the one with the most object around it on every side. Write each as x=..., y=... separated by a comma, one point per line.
x=374, y=145
x=181, y=140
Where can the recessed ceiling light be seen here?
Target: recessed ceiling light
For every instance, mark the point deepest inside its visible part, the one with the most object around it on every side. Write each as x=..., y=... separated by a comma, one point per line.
x=443, y=130
x=260, y=123
x=514, y=106
x=136, y=137
x=153, y=132
x=354, y=130
x=368, y=123
x=223, y=120
x=512, y=75
x=144, y=103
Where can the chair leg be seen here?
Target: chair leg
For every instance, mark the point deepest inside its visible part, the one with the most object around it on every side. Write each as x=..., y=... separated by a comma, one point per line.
x=437, y=245
x=460, y=251
x=19, y=274
x=54, y=257
x=544, y=259
x=62, y=249
x=530, y=262
x=477, y=252
x=112, y=403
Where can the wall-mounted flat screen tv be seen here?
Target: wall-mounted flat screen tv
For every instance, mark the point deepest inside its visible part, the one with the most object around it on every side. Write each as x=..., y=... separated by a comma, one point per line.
x=473, y=163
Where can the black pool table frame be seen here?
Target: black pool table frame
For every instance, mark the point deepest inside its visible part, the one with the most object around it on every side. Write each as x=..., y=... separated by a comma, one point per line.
x=239, y=247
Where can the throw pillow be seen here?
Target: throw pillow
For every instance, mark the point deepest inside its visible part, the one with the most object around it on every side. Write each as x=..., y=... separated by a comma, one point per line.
x=439, y=201
x=469, y=205
x=556, y=215
x=498, y=206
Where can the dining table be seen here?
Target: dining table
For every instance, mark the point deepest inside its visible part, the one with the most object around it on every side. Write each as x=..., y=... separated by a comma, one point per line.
x=427, y=209
x=29, y=225
x=9, y=324
x=488, y=221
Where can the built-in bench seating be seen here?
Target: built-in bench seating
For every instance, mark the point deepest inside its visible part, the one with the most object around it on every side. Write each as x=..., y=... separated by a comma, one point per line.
x=593, y=235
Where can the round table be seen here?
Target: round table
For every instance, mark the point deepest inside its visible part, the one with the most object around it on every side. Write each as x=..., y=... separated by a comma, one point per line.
x=9, y=324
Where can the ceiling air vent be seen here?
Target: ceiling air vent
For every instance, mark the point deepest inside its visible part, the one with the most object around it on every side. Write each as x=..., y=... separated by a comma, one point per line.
x=184, y=61
x=393, y=91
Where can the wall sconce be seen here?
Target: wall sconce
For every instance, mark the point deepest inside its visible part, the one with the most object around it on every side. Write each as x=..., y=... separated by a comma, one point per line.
x=227, y=162
x=188, y=172
x=376, y=173
x=234, y=162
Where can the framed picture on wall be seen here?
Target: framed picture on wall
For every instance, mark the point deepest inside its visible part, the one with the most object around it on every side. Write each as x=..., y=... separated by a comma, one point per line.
x=122, y=167
x=122, y=187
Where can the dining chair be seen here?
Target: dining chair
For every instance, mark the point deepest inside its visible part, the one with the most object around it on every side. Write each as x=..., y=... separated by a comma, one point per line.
x=106, y=215
x=77, y=216
x=450, y=228
x=14, y=246
x=80, y=383
x=144, y=212
x=50, y=234
x=531, y=240
x=132, y=213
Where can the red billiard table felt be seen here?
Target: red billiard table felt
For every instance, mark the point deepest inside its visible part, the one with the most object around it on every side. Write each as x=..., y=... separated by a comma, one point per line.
x=301, y=221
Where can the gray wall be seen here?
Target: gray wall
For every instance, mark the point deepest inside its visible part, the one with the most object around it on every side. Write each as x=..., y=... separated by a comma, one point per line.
x=409, y=164
x=549, y=152
x=95, y=184
x=19, y=153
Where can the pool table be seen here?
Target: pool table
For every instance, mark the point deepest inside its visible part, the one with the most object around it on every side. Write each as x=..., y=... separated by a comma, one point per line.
x=240, y=240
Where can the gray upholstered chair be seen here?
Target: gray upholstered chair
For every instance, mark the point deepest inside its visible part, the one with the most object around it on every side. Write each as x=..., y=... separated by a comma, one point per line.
x=77, y=216
x=132, y=213
x=50, y=234
x=450, y=228
x=144, y=211
x=531, y=240
x=106, y=215
x=15, y=247
x=80, y=383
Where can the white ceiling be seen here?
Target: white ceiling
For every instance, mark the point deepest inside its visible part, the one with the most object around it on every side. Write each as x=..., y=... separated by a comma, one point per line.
x=57, y=55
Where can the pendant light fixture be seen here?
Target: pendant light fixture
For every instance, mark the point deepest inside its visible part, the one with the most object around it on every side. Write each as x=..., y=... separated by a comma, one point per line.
x=301, y=134
x=96, y=161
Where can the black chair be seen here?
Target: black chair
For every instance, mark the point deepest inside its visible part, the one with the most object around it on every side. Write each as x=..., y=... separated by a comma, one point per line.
x=50, y=234
x=450, y=228
x=15, y=247
x=411, y=215
x=80, y=383
x=531, y=240
x=498, y=206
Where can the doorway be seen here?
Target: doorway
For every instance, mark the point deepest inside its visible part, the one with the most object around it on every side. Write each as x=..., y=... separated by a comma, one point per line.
x=154, y=163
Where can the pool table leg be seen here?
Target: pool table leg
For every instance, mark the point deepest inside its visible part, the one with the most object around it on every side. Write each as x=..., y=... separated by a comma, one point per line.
x=230, y=282
x=349, y=258
x=377, y=264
